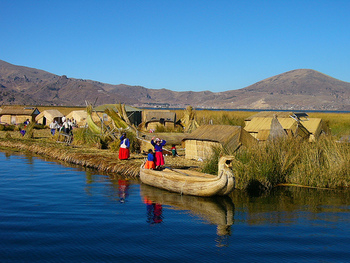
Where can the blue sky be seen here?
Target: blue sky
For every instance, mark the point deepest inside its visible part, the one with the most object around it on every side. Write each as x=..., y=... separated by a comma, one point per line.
x=180, y=45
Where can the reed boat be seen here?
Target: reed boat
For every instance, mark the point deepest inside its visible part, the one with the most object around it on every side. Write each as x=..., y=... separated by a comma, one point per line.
x=191, y=182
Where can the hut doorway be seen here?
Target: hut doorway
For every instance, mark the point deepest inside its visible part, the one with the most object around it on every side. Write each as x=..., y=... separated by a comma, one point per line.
x=44, y=120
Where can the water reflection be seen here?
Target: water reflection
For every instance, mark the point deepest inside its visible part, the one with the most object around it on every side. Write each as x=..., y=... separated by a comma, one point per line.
x=123, y=187
x=216, y=210
x=154, y=211
x=287, y=204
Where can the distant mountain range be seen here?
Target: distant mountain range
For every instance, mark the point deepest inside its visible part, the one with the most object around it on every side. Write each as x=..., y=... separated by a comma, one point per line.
x=300, y=89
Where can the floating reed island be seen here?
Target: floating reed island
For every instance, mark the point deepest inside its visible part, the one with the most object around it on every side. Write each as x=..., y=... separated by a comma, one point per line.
x=104, y=160
x=322, y=163
x=85, y=157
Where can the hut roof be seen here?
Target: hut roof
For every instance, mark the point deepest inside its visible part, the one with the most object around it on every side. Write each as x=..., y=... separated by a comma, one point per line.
x=50, y=114
x=227, y=135
x=273, y=127
x=78, y=115
x=158, y=115
x=102, y=108
x=214, y=133
x=313, y=124
x=279, y=114
x=19, y=110
x=264, y=123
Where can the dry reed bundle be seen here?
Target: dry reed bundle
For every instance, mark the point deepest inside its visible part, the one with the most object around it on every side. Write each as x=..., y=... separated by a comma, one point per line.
x=122, y=113
x=91, y=124
x=189, y=120
x=118, y=121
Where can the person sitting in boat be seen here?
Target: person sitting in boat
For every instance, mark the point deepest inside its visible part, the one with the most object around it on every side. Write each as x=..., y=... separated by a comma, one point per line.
x=158, y=148
x=124, y=152
x=150, y=160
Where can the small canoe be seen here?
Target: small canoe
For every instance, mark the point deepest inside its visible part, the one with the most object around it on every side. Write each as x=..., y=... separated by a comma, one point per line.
x=190, y=182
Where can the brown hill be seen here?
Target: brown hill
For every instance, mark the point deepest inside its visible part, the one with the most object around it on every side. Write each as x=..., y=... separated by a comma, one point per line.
x=302, y=89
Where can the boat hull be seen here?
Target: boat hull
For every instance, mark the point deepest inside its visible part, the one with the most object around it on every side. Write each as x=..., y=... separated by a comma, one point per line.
x=188, y=182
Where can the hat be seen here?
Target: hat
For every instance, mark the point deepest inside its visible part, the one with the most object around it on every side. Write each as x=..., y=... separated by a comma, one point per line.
x=157, y=140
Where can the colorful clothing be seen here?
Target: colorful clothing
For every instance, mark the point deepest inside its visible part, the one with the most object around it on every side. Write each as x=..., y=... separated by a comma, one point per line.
x=173, y=151
x=158, y=148
x=124, y=152
x=150, y=162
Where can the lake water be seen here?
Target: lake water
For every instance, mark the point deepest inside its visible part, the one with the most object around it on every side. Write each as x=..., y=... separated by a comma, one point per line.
x=55, y=213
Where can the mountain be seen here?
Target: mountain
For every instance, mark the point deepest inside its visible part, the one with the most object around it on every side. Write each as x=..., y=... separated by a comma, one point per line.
x=301, y=89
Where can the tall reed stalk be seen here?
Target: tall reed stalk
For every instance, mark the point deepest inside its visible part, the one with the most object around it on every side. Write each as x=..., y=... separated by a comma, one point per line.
x=323, y=164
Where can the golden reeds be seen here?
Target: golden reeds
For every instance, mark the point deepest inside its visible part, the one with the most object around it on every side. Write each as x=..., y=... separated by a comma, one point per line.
x=323, y=164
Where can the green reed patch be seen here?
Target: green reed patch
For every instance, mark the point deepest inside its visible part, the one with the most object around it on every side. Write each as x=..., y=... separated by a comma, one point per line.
x=323, y=164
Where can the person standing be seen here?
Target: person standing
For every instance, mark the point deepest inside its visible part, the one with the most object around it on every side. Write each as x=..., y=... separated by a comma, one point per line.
x=174, y=151
x=53, y=127
x=124, y=152
x=158, y=149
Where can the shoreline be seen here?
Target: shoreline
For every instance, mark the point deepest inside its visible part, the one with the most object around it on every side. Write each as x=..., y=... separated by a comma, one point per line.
x=93, y=159
x=103, y=160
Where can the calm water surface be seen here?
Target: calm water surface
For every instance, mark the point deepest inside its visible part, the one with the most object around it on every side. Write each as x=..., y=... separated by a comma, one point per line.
x=54, y=213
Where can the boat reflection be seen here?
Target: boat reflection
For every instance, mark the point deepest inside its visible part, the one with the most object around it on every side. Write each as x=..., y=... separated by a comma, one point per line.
x=218, y=210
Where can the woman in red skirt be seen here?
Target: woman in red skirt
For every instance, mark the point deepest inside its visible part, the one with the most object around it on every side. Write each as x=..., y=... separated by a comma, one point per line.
x=124, y=152
x=158, y=148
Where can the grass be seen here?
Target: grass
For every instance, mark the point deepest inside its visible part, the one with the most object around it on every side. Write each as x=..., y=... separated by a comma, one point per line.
x=339, y=123
x=322, y=164
x=235, y=118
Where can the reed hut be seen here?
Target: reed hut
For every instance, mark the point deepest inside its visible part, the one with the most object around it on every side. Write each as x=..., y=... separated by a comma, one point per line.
x=200, y=143
x=48, y=116
x=152, y=119
x=316, y=127
x=269, y=125
x=18, y=114
x=79, y=116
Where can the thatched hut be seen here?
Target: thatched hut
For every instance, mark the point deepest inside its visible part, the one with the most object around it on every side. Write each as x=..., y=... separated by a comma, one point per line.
x=18, y=114
x=199, y=144
x=265, y=125
x=48, y=116
x=79, y=116
x=152, y=119
x=316, y=127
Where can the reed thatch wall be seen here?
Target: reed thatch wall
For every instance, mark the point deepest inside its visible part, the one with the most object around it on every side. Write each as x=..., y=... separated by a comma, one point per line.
x=199, y=144
x=48, y=116
x=16, y=114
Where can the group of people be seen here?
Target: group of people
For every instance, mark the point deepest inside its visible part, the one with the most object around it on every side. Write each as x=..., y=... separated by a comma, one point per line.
x=155, y=159
x=66, y=127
